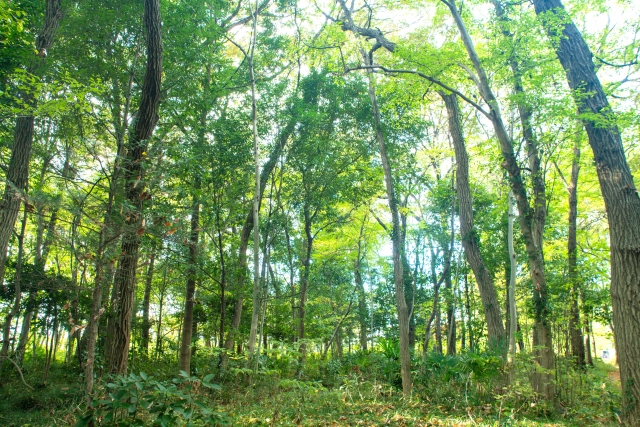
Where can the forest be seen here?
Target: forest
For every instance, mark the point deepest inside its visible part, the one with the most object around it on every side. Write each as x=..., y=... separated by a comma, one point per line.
x=320, y=213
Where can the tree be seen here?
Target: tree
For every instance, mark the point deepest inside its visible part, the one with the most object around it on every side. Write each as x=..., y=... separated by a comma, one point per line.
x=618, y=190
x=469, y=237
x=143, y=127
x=18, y=170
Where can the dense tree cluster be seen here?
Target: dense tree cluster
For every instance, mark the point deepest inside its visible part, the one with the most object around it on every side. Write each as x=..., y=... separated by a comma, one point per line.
x=437, y=175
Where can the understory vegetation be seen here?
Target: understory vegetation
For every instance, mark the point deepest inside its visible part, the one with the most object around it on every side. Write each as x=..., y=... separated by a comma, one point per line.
x=319, y=212
x=359, y=389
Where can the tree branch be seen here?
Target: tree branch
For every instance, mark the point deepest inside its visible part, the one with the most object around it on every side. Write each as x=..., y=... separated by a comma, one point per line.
x=426, y=77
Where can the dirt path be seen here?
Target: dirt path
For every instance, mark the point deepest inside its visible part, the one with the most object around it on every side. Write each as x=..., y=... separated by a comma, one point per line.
x=614, y=377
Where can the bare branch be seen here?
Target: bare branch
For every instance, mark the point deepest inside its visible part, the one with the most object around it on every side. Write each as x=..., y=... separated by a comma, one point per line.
x=426, y=77
x=19, y=371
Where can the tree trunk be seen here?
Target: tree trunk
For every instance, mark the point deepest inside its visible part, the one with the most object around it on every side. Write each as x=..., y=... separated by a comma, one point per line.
x=451, y=322
x=147, y=116
x=304, y=279
x=256, y=199
x=223, y=280
x=513, y=315
x=241, y=270
x=542, y=340
x=192, y=277
x=469, y=237
x=146, y=301
x=438, y=330
x=4, y=352
x=362, y=298
x=469, y=314
x=18, y=169
x=575, y=328
x=398, y=276
x=159, y=335
x=618, y=190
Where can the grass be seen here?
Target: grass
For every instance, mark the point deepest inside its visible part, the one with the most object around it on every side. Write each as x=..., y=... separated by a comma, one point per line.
x=369, y=404
x=351, y=398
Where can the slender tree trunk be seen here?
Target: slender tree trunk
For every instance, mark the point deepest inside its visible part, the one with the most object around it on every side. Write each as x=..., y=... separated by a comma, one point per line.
x=256, y=199
x=542, y=340
x=513, y=315
x=451, y=322
x=618, y=190
x=438, y=330
x=159, y=335
x=223, y=279
x=589, y=356
x=408, y=279
x=146, y=302
x=398, y=276
x=192, y=277
x=4, y=352
x=245, y=234
x=147, y=116
x=469, y=314
x=304, y=279
x=469, y=237
x=18, y=169
x=362, y=298
x=575, y=328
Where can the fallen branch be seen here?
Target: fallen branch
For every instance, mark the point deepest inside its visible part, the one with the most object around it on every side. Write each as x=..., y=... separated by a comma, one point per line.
x=19, y=371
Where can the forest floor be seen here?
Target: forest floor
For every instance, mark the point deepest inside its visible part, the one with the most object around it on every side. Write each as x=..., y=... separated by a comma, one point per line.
x=370, y=405
x=351, y=402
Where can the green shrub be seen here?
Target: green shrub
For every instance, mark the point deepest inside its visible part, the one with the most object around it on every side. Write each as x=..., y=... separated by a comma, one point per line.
x=139, y=400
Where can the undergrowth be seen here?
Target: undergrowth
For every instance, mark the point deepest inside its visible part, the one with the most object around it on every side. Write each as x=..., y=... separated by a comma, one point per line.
x=360, y=388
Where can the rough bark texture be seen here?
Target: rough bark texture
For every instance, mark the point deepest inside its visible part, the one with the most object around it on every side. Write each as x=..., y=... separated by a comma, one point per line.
x=470, y=240
x=145, y=122
x=542, y=340
x=18, y=169
x=618, y=190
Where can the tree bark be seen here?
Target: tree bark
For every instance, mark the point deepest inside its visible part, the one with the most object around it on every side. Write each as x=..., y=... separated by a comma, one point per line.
x=4, y=352
x=256, y=198
x=18, y=170
x=362, y=298
x=618, y=190
x=469, y=237
x=304, y=279
x=513, y=315
x=192, y=278
x=575, y=327
x=542, y=339
x=398, y=276
x=146, y=302
x=147, y=116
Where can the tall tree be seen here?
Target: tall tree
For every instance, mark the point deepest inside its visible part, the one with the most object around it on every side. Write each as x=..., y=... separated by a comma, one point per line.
x=398, y=276
x=469, y=236
x=618, y=190
x=18, y=170
x=542, y=339
x=145, y=122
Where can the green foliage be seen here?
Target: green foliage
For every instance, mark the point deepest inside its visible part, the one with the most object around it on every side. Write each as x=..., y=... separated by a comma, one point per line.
x=137, y=400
